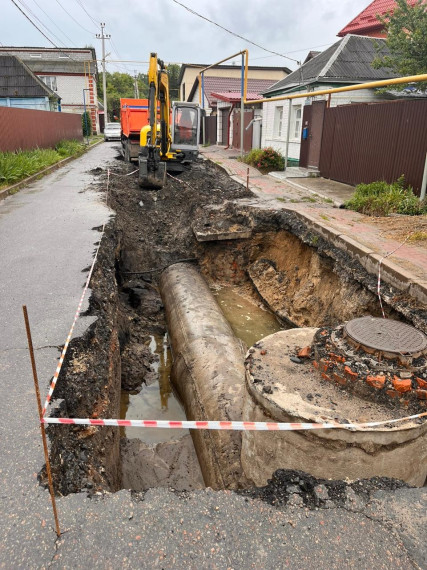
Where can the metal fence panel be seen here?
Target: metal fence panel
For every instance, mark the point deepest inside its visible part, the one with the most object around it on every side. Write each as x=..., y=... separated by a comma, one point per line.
x=27, y=128
x=376, y=141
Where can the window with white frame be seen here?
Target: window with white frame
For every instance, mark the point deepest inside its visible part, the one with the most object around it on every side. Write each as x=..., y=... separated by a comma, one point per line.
x=296, y=121
x=278, y=122
x=49, y=80
x=37, y=55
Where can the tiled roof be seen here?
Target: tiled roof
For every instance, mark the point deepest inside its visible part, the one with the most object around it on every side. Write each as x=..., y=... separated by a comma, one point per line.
x=17, y=80
x=235, y=96
x=227, y=85
x=347, y=61
x=367, y=19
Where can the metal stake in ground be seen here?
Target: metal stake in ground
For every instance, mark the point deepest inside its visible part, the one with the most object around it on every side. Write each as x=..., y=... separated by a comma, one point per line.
x=42, y=427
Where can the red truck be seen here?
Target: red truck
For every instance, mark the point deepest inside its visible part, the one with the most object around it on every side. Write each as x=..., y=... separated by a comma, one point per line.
x=133, y=116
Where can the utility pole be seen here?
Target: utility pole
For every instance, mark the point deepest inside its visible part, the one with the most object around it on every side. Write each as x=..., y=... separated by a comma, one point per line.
x=136, y=88
x=104, y=37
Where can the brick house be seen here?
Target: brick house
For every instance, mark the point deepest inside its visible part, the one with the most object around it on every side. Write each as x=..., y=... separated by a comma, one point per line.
x=67, y=72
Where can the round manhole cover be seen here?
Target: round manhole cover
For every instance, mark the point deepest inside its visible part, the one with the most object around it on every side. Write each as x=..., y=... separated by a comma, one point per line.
x=386, y=335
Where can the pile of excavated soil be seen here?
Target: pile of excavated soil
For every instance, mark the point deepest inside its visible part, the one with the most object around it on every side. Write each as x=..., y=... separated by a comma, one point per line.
x=155, y=226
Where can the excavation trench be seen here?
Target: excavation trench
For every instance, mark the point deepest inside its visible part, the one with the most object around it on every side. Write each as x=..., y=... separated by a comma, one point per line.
x=264, y=268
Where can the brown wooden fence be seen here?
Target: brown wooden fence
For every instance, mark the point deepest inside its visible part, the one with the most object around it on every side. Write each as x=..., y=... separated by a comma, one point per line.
x=27, y=128
x=377, y=141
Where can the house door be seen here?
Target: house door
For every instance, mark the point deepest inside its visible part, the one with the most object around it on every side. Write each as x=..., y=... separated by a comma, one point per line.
x=311, y=136
x=305, y=139
x=224, y=126
x=247, y=134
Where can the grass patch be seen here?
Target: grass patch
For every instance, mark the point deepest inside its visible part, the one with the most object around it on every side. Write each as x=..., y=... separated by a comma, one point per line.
x=15, y=166
x=382, y=199
x=308, y=199
x=418, y=236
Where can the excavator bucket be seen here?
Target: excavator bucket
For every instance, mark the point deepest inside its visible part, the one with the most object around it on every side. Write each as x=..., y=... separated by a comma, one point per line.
x=151, y=179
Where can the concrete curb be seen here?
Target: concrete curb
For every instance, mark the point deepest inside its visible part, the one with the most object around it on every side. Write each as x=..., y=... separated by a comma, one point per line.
x=10, y=190
x=391, y=273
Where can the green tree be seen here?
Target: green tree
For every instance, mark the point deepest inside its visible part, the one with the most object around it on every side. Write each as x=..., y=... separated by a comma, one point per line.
x=86, y=124
x=173, y=72
x=121, y=85
x=406, y=29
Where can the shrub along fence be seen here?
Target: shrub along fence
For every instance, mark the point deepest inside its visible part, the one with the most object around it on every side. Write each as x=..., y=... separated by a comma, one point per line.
x=22, y=129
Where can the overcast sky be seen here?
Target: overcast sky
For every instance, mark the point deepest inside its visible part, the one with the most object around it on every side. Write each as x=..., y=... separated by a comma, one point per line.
x=138, y=27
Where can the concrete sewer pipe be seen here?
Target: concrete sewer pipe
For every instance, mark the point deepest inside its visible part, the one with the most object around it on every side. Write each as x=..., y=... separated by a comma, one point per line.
x=208, y=370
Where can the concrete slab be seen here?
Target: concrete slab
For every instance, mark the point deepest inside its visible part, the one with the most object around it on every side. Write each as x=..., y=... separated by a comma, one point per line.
x=295, y=172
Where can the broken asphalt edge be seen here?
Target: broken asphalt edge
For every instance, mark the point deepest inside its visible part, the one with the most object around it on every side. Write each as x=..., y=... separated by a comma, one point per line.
x=391, y=273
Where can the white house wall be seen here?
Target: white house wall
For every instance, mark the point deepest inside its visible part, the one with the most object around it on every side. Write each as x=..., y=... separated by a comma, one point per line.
x=195, y=99
x=279, y=143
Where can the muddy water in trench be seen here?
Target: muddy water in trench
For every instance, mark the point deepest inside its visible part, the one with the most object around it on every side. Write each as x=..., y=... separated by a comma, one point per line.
x=249, y=321
x=154, y=402
x=158, y=401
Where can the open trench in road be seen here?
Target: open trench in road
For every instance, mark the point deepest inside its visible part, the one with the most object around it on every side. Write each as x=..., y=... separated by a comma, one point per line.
x=269, y=273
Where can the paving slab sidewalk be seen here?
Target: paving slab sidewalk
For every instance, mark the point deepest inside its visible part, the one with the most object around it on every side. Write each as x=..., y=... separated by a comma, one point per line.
x=316, y=199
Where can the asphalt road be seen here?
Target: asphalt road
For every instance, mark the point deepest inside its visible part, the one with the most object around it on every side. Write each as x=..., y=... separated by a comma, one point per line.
x=47, y=238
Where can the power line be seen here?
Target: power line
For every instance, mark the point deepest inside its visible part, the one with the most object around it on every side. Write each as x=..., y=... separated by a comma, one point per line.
x=40, y=22
x=122, y=66
x=83, y=7
x=232, y=33
x=293, y=51
x=41, y=31
x=47, y=15
x=33, y=24
x=74, y=19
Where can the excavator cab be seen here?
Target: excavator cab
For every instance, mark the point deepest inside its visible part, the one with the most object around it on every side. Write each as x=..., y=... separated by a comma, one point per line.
x=186, y=126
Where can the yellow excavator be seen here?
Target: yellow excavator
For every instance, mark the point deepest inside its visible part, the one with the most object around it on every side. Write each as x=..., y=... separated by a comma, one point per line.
x=169, y=143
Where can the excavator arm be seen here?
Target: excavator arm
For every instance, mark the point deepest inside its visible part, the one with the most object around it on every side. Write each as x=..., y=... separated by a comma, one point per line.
x=165, y=143
x=156, y=137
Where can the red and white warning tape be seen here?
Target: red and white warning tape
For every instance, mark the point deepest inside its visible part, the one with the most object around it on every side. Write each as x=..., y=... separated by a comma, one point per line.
x=218, y=425
x=79, y=308
x=379, y=271
x=121, y=175
x=76, y=316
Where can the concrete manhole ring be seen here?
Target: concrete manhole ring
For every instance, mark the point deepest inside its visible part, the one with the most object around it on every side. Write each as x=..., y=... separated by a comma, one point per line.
x=386, y=335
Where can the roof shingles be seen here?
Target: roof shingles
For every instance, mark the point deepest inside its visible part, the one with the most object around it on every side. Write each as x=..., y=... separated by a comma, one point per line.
x=347, y=61
x=17, y=80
